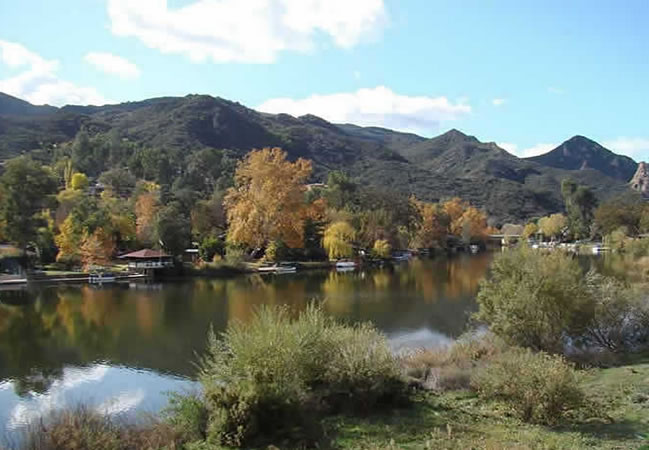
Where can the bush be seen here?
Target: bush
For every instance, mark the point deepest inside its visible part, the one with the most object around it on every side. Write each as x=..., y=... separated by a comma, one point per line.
x=535, y=299
x=450, y=367
x=271, y=377
x=620, y=320
x=83, y=428
x=210, y=247
x=187, y=416
x=539, y=387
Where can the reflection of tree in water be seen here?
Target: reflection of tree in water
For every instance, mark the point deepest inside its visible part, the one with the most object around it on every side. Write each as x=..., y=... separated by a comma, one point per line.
x=464, y=275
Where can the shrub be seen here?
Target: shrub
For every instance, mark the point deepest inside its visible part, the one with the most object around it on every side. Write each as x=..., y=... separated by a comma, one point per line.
x=210, y=247
x=535, y=299
x=620, y=320
x=450, y=367
x=269, y=378
x=539, y=387
x=83, y=428
x=187, y=415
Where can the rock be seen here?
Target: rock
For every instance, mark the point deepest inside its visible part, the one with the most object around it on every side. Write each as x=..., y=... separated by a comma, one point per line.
x=640, y=181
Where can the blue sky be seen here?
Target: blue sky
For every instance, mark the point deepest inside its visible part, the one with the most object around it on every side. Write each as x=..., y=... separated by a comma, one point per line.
x=523, y=73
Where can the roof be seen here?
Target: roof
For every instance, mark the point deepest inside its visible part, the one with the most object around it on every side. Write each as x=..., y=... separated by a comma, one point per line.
x=146, y=254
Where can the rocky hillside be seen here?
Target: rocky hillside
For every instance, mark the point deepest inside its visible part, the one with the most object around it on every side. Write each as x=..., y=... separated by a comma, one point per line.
x=453, y=164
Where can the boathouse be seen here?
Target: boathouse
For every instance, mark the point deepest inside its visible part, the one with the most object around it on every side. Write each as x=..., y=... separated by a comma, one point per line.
x=147, y=259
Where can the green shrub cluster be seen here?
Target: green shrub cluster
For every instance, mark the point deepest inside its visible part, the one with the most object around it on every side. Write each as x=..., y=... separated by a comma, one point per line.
x=539, y=387
x=272, y=376
x=545, y=302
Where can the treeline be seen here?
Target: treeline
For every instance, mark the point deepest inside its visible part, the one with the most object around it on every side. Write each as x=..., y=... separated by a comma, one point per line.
x=68, y=209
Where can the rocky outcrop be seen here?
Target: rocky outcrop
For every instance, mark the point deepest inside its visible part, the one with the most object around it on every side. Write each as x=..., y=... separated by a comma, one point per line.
x=640, y=181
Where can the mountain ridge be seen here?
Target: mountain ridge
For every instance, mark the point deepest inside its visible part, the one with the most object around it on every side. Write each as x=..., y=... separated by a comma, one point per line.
x=451, y=164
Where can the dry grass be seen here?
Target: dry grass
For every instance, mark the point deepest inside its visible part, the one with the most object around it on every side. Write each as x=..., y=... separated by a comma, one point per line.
x=82, y=428
x=449, y=368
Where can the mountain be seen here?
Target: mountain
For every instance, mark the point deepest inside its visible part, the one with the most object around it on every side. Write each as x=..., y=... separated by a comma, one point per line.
x=580, y=153
x=453, y=164
x=14, y=106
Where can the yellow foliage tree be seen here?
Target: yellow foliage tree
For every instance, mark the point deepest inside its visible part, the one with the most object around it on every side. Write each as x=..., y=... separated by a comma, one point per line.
x=267, y=202
x=68, y=241
x=382, y=248
x=97, y=249
x=431, y=226
x=79, y=181
x=530, y=230
x=338, y=239
x=146, y=208
x=553, y=225
x=474, y=224
x=455, y=209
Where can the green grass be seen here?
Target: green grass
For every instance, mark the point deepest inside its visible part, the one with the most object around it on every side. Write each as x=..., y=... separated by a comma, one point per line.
x=459, y=420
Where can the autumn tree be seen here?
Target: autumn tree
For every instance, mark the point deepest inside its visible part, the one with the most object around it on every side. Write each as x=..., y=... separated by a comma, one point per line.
x=454, y=209
x=382, y=248
x=338, y=239
x=97, y=249
x=552, y=226
x=267, y=201
x=146, y=209
x=530, y=230
x=79, y=181
x=474, y=225
x=431, y=224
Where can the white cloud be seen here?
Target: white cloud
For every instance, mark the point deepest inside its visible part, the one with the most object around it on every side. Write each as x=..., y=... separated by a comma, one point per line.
x=113, y=64
x=510, y=147
x=37, y=82
x=245, y=30
x=535, y=150
x=633, y=147
x=555, y=90
x=377, y=106
x=498, y=101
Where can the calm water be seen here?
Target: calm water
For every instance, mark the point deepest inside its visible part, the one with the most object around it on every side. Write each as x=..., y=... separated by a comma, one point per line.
x=120, y=349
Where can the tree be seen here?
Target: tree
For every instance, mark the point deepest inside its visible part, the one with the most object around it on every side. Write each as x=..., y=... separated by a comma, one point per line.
x=382, y=248
x=267, y=202
x=530, y=230
x=146, y=209
x=341, y=191
x=454, y=209
x=431, y=224
x=580, y=202
x=27, y=188
x=552, y=226
x=474, y=225
x=338, y=239
x=79, y=182
x=208, y=217
x=172, y=229
x=120, y=181
x=97, y=249
x=625, y=211
x=534, y=299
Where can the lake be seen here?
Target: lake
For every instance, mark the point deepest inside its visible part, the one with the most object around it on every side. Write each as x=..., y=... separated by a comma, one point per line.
x=120, y=349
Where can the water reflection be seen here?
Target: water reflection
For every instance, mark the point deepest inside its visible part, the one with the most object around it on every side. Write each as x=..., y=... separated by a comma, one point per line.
x=129, y=342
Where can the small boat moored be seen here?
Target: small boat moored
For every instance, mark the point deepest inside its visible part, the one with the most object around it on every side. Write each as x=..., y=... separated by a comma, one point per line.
x=345, y=264
x=102, y=277
x=282, y=267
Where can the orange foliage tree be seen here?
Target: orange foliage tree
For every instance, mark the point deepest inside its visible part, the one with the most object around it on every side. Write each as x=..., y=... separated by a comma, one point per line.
x=267, y=202
x=431, y=224
x=97, y=249
x=146, y=208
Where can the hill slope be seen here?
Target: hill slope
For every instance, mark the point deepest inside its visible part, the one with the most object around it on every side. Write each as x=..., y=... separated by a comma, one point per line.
x=580, y=153
x=452, y=164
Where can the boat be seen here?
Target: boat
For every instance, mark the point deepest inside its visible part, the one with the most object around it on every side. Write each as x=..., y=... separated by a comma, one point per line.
x=402, y=256
x=474, y=248
x=283, y=267
x=345, y=264
x=102, y=278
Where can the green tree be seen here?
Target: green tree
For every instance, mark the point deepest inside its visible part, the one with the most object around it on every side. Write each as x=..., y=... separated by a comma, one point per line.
x=382, y=248
x=580, y=204
x=173, y=229
x=26, y=188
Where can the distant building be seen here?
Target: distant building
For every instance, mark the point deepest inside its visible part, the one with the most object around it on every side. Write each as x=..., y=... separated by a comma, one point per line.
x=147, y=259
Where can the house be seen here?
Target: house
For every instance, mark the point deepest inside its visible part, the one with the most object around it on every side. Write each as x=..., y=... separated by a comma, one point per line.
x=146, y=259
